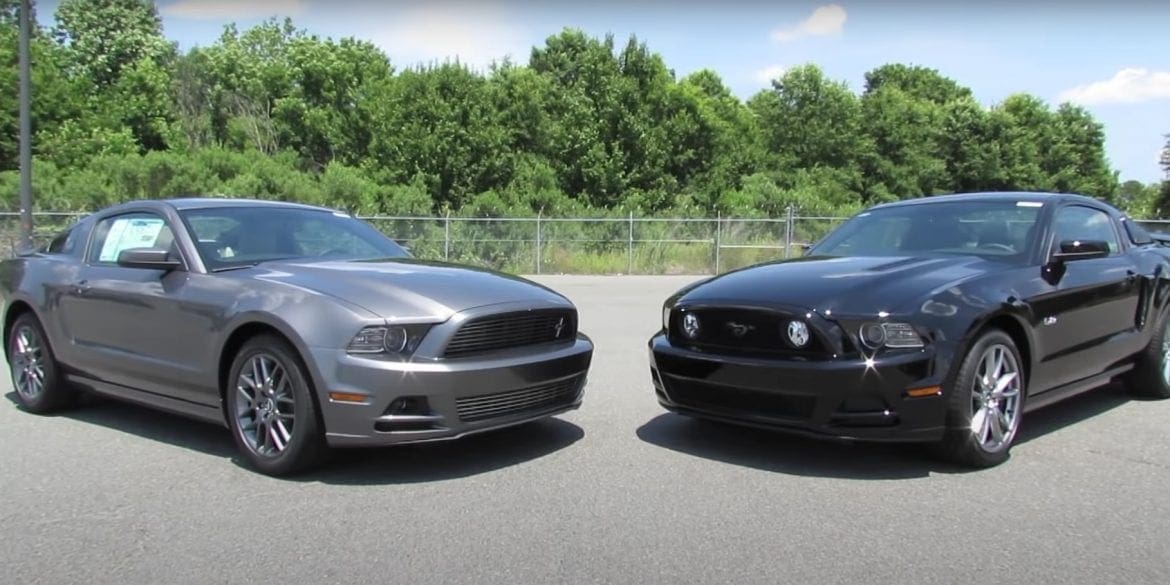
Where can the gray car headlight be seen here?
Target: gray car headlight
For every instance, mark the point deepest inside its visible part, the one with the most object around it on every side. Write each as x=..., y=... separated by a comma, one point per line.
x=391, y=339
x=666, y=318
x=891, y=335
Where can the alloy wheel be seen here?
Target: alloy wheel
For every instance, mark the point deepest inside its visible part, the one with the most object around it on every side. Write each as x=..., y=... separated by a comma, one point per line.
x=995, y=399
x=1166, y=354
x=28, y=363
x=265, y=407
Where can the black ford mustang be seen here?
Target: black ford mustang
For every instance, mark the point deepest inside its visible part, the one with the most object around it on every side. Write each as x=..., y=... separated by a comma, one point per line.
x=941, y=319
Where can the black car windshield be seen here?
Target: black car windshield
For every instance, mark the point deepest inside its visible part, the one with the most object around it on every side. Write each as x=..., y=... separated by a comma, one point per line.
x=230, y=237
x=1001, y=228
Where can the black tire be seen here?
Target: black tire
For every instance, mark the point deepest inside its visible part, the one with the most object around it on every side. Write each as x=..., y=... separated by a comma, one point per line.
x=31, y=358
x=259, y=415
x=962, y=442
x=1148, y=378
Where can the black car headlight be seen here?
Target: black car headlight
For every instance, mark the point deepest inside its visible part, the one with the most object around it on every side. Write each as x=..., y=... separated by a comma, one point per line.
x=889, y=335
x=388, y=339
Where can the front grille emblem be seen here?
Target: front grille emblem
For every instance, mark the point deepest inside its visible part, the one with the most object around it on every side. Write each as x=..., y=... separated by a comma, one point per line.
x=559, y=328
x=739, y=329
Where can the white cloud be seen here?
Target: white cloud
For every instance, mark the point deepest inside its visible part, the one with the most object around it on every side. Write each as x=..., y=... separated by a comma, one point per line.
x=767, y=74
x=476, y=33
x=232, y=9
x=1128, y=86
x=824, y=21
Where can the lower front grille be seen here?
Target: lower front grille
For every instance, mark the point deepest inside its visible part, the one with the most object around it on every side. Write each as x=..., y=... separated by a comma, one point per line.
x=531, y=399
x=703, y=396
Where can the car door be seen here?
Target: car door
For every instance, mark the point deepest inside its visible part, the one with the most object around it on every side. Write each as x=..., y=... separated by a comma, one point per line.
x=127, y=325
x=1087, y=314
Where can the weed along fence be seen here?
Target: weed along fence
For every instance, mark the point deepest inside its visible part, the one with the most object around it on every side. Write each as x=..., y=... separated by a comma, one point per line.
x=631, y=245
x=544, y=245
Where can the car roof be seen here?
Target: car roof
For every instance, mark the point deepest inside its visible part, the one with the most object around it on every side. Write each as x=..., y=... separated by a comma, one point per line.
x=1039, y=197
x=185, y=203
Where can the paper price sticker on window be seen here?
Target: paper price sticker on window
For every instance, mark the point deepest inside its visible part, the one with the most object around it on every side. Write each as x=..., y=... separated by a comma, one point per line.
x=128, y=234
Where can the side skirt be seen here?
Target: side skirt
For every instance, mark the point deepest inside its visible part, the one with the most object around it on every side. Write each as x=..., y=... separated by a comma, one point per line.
x=171, y=405
x=1057, y=394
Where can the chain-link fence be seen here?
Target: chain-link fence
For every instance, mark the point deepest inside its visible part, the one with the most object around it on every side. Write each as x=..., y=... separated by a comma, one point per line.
x=633, y=245
x=541, y=245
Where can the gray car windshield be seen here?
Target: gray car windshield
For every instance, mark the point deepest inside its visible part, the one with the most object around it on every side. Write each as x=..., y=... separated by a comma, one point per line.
x=231, y=237
x=1000, y=228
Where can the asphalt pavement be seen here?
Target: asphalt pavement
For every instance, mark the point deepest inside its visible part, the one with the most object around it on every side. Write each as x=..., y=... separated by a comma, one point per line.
x=617, y=492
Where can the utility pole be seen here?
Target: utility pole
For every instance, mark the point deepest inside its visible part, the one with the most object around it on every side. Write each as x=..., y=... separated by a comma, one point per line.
x=26, y=220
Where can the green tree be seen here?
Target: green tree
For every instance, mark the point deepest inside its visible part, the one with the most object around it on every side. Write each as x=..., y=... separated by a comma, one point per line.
x=1162, y=206
x=56, y=98
x=907, y=134
x=1075, y=161
x=921, y=83
x=108, y=36
x=118, y=49
x=733, y=149
x=439, y=122
x=807, y=122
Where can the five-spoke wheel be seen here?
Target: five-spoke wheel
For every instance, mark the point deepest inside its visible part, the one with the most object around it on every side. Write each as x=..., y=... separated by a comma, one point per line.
x=985, y=402
x=995, y=398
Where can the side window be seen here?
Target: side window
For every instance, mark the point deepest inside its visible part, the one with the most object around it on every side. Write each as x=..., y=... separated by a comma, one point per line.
x=1085, y=223
x=64, y=242
x=127, y=232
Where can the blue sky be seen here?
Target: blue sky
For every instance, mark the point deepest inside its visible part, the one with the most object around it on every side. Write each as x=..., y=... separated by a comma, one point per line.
x=1112, y=57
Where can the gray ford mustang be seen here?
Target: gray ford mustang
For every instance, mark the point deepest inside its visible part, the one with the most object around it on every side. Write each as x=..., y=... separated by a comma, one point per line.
x=296, y=327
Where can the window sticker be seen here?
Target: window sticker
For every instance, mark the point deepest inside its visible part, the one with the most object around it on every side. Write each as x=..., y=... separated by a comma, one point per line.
x=127, y=234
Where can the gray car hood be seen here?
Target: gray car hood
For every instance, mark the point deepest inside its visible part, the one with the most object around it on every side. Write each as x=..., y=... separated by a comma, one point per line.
x=409, y=289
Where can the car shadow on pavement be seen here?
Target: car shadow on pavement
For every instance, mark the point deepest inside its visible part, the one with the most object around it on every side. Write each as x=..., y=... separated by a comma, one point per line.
x=390, y=465
x=1068, y=412
x=797, y=455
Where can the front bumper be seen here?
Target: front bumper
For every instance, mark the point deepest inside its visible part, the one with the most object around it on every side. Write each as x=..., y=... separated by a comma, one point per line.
x=412, y=402
x=839, y=398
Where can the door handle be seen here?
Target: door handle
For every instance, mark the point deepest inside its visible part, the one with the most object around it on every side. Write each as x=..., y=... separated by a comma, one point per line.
x=81, y=287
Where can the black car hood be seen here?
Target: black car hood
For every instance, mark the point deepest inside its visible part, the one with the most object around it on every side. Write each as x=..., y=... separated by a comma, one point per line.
x=408, y=288
x=845, y=286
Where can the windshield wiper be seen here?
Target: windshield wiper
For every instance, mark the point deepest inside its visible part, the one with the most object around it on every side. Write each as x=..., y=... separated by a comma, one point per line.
x=236, y=267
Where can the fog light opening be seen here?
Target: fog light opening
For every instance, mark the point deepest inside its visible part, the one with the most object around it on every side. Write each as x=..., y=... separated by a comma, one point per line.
x=409, y=405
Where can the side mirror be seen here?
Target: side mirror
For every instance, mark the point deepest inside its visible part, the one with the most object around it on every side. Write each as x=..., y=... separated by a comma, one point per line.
x=149, y=258
x=1071, y=250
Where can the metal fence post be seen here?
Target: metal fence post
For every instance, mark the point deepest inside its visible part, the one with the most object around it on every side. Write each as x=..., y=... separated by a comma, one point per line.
x=630, y=247
x=787, y=230
x=718, y=233
x=447, y=237
x=538, y=214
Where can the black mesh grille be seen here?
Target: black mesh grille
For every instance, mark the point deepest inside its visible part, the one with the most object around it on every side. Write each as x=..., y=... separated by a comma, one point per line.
x=704, y=396
x=509, y=330
x=532, y=399
x=747, y=330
